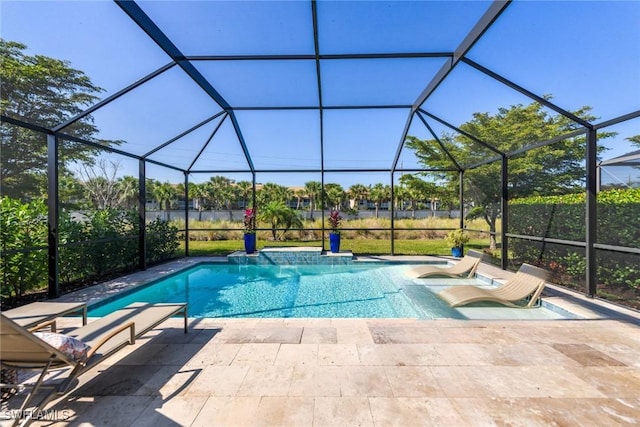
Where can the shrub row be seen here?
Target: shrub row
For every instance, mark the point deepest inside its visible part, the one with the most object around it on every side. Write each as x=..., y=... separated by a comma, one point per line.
x=563, y=217
x=23, y=239
x=96, y=245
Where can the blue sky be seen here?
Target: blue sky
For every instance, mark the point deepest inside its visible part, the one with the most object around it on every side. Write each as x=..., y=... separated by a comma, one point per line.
x=583, y=53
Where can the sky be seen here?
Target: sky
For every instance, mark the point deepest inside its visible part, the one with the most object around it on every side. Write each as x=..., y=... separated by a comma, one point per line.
x=581, y=53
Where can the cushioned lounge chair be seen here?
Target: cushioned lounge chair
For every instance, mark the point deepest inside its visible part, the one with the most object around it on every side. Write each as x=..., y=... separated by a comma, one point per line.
x=522, y=290
x=79, y=349
x=466, y=266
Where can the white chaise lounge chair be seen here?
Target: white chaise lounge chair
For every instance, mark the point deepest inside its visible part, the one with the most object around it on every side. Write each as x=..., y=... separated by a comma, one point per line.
x=466, y=266
x=522, y=290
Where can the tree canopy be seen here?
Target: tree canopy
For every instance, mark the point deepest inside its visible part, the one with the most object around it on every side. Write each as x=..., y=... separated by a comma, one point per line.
x=551, y=169
x=47, y=92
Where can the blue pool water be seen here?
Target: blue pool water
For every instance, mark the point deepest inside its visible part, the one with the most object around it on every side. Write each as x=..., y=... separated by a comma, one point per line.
x=230, y=290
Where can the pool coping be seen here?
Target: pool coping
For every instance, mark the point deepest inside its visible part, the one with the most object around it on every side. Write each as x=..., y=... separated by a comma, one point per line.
x=555, y=298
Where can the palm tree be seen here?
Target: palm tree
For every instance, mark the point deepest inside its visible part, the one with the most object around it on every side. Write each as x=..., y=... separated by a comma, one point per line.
x=271, y=192
x=165, y=194
x=334, y=194
x=279, y=216
x=420, y=190
x=414, y=196
x=150, y=185
x=198, y=193
x=229, y=195
x=291, y=219
x=181, y=193
x=358, y=192
x=286, y=194
x=400, y=194
x=220, y=191
x=379, y=194
x=313, y=189
x=300, y=195
x=244, y=191
x=128, y=188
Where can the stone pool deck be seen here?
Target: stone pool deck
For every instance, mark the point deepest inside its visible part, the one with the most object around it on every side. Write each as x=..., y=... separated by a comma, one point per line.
x=369, y=372
x=342, y=372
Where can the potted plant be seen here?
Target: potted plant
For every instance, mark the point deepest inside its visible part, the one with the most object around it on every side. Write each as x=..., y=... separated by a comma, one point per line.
x=456, y=240
x=250, y=231
x=334, y=236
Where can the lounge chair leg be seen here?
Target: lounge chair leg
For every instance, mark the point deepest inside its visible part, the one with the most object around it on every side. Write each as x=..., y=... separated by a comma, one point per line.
x=29, y=398
x=35, y=388
x=186, y=320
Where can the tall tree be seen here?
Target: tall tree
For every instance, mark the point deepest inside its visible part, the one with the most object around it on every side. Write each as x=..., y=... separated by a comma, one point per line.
x=166, y=195
x=198, y=193
x=415, y=191
x=244, y=191
x=101, y=184
x=379, y=194
x=300, y=194
x=271, y=192
x=127, y=186
x=220, y=189
x=314, y=191
x=334, y=195
x=552, y=169
x=401, y=195
x=421, y=190
x=47, y=92
x=358, y=193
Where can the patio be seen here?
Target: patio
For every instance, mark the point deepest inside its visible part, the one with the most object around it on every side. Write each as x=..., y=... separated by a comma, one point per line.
x=370, y=372
x=360, y=372
x=337, y=94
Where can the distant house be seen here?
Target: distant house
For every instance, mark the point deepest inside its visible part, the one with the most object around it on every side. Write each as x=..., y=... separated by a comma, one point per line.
x=619, y=172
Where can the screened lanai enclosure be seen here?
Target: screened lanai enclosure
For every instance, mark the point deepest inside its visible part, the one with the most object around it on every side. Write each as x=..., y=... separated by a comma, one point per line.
x=136, y=132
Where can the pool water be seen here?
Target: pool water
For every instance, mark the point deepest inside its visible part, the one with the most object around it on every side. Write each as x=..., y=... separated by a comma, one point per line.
x=377, y=290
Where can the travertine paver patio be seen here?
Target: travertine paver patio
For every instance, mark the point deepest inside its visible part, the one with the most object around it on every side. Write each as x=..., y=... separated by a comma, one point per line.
x=304, y=372
x=380, y=372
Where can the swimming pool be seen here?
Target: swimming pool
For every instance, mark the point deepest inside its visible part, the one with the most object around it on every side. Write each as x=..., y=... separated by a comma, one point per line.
x=376, y=290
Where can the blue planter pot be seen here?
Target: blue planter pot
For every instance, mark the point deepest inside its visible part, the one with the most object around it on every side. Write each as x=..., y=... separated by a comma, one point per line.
x=334, y=242
x=250, y=243
x=456, y=252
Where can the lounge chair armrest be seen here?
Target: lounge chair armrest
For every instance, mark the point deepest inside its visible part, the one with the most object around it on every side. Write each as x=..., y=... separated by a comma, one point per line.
x=49, y=323
x=116, y=331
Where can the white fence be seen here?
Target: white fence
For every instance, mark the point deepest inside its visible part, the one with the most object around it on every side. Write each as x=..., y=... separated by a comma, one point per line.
x=238, y=215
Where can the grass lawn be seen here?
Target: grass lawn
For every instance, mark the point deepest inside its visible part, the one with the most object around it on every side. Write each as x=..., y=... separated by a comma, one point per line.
x=357, y=246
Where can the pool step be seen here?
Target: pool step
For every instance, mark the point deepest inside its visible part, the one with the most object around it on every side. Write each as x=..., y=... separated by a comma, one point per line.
x=295, y=255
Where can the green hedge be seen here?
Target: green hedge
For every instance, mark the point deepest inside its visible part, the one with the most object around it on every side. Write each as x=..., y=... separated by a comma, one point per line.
x=103, y=242
x=161, y=240
x=563, y=217
x=93, y=245
x=23, y=234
